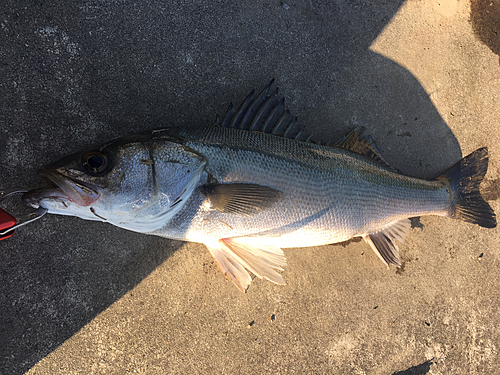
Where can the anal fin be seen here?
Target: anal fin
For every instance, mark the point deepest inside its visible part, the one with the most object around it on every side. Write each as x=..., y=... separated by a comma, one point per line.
x=237, y=255
x=383, y=243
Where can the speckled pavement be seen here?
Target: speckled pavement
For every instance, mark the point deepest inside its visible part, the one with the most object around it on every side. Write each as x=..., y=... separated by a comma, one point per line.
x=80, y=297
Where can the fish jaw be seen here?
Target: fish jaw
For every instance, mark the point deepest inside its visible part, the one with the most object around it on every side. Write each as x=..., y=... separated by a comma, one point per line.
x=39, y=197
x=56, y=202
x=68, y=197
x=78, y=192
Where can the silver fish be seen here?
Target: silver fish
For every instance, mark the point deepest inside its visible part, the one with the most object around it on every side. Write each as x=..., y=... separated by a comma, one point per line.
x=255, y=183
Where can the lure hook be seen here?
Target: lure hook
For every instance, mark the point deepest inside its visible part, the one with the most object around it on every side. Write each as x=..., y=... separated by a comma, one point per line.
x=9, y=223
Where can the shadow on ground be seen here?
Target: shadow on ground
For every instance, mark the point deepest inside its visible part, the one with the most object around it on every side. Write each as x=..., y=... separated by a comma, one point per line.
x=77, y=74
x=420, y=369
x=485, y=20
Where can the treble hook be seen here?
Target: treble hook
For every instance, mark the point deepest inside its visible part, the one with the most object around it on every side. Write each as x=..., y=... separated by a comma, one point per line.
x=9, y=223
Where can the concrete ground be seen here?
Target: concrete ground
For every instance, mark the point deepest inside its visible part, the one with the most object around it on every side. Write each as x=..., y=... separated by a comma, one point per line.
x=83, y=297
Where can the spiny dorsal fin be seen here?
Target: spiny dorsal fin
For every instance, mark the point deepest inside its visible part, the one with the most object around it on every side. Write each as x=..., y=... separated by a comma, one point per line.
x=240, y=198
x=364, y=145
x=382, y=241
x=267, y=114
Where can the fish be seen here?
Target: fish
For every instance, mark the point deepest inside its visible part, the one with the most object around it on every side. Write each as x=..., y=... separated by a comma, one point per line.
x=255, y=183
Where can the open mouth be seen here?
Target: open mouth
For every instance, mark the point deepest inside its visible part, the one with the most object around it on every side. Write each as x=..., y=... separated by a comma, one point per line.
x=76, y=191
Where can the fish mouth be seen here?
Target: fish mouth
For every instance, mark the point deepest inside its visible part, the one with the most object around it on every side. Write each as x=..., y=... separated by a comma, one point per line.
x=78, y=192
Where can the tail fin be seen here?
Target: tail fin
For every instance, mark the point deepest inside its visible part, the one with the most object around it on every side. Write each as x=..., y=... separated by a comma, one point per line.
x=467, y=202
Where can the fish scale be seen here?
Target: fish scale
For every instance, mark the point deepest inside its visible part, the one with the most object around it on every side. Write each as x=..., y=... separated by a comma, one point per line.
x=246, y=194
x=307, y=188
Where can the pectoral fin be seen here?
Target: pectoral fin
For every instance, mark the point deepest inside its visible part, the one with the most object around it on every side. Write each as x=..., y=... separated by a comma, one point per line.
x=240, y=198
x=237, y=255
x=383, y=241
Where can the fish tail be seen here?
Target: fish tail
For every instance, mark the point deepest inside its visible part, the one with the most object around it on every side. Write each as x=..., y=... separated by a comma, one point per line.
x=464, y=177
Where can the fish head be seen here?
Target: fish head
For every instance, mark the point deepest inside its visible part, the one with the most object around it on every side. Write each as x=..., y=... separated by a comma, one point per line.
x=138, y=182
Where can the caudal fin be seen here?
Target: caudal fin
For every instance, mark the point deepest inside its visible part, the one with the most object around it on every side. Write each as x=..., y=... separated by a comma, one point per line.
x=467, y=202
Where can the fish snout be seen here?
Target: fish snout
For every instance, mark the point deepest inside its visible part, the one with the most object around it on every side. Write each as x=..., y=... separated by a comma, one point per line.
x=76, y=191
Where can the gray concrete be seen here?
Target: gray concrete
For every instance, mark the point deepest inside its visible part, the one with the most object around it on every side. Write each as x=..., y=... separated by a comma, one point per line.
x=83, y=297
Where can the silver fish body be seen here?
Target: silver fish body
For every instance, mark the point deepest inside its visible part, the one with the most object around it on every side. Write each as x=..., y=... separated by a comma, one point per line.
x=255, y=184
x=330, y=194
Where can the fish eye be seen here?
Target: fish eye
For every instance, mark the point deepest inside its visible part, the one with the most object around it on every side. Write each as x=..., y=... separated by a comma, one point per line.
x=95, y=162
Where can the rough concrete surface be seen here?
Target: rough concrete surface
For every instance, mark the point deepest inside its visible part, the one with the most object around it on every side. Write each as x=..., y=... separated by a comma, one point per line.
x=82, y=297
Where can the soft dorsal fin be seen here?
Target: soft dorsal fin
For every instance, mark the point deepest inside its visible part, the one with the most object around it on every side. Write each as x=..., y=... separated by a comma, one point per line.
x=362, y=144
x=265, y=113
